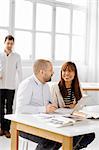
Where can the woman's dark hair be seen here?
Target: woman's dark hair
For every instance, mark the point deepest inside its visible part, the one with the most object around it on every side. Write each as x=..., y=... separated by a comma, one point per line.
x=9, y=37
x=75, y=82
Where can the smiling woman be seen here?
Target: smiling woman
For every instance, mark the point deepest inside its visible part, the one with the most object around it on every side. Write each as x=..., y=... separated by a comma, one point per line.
x=67, y=92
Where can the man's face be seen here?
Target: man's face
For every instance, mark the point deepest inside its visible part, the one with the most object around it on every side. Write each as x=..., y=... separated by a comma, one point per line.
x=9, y=45
x=48, y=73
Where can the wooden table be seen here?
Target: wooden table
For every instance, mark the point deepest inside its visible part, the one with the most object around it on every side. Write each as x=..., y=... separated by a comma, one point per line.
x=86, y=86
x=90, y=86
x=64, y=135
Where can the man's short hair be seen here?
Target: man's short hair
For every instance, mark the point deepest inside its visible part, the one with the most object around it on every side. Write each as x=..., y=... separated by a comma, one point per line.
x=40, y=64
x=9, y=37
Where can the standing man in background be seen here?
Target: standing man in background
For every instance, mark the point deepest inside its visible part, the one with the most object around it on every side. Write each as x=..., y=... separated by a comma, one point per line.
x=10, y=63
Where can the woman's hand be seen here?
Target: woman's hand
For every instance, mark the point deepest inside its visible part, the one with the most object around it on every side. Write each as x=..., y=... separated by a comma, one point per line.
x=71, y=105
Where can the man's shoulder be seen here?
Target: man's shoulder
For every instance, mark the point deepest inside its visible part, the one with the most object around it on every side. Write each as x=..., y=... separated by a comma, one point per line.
x=15, y=54
x=1, y=54
x=2, y=57
x=55, y=86
x=27, y=81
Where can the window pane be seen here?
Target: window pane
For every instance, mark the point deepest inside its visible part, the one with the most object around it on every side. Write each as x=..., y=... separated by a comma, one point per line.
x=4, y=13
x=23, y=44
x=44, y=17
x=79, y=22
x=62, y=20
x=65, y=1
x=78, y=49
x=3, y=34
x=80, y=2
x=43, y=46
x=23, y=14
x=62, y=47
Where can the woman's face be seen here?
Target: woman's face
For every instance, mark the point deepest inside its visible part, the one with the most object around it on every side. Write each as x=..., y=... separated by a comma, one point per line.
x=68, y=74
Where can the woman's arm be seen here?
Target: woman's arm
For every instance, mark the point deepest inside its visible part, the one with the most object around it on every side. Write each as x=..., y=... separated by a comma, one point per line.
x=54, y=95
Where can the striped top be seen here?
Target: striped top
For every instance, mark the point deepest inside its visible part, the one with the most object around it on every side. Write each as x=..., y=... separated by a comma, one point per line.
x=70, y=97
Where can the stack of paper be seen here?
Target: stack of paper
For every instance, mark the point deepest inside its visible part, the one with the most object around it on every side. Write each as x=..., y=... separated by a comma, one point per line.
x=89, y=112
x=58, y=120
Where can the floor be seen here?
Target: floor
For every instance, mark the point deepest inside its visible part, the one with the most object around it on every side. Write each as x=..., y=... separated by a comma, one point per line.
x=5, y=144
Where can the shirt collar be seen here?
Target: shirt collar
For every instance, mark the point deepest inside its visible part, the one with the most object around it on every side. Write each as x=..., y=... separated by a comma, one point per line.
x=8, y=55
x=37, y=80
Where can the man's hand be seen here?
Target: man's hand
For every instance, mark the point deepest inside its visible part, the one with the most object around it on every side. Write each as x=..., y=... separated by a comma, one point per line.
x=51, y=108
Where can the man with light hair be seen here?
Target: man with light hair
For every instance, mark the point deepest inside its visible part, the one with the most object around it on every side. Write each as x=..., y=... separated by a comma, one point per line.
x=33, y=93
x=34, y=96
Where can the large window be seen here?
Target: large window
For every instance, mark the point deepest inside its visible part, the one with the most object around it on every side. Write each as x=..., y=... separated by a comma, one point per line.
x=62, y=20
x=4, y=13
x=43, y=17
x=23, y=28
x=62, y=47
x=52, y=29
x=4, y=21
x=43, y=31
x=78, y=36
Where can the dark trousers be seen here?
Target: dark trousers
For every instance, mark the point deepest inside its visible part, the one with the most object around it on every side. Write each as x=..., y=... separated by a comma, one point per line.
x=6, y=102
x=79, y=142
x=43, y=144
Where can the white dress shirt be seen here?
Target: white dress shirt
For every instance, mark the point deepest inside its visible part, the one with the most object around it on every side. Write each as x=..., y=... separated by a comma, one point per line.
x=9, y=66
x=32, y=96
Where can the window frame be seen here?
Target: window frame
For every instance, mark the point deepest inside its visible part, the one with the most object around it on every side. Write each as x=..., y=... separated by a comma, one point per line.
x=11, y=28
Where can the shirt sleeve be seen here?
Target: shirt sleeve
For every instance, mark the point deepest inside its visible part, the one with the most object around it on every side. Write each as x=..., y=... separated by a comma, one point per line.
x=23, y=100
x=19, y=69
x=48, y=93
x=54, y=95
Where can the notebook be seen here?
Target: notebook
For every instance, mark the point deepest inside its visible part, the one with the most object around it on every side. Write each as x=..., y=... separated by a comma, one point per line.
x=63, y=117
x=91, y=112
x=81, y=103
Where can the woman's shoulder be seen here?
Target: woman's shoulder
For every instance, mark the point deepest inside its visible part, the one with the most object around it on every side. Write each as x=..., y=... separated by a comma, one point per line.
x=55, y=86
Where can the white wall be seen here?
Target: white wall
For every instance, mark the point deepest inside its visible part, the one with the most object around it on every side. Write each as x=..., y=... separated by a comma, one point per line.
x=82, y=72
